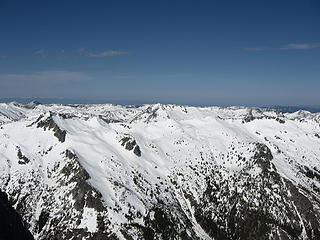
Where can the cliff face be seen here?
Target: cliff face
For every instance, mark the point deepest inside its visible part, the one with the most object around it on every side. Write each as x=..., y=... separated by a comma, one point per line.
x=11, y=226
x=161, y=172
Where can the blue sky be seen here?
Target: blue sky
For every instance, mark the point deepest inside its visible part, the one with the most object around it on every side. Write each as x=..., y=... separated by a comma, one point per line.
x=185, y=52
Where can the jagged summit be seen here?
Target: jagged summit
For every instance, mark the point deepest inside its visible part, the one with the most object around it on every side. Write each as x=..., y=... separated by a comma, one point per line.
x=161, y=171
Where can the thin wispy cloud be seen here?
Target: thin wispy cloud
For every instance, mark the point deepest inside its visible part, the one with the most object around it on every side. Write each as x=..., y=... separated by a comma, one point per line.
x=108, y=53
x=82, y=52
x=41, y=52
x=300, y=46
x=3, y=57
x=290, y=46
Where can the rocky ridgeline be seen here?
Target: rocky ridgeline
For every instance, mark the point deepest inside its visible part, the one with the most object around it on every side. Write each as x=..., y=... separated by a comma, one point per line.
x=256, y=203
x=50, y=124
x=61, y=204
x=130, y=144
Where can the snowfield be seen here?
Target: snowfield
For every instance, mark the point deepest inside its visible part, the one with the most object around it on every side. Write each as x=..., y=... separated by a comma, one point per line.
x=161, y=171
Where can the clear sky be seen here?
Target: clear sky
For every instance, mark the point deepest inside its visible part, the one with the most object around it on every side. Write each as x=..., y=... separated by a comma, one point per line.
x=185, y=52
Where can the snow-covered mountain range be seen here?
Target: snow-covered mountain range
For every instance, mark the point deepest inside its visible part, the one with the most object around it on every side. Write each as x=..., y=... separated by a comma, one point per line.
x=161, y=171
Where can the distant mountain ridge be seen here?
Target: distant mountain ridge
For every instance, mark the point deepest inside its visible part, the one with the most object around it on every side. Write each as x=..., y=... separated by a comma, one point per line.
x=291, y=109
x=26, y=100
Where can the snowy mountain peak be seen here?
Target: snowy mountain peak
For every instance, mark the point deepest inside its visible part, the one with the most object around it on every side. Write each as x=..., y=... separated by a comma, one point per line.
x=161, y=171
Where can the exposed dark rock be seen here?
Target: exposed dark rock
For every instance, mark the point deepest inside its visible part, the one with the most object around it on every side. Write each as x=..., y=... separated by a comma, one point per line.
x=310, y=216
x=166, y=225
x=137, y=151
x=280, y=120
x=248, y=118
x=43, y=218
x=84, y=194
x=11, y=225
x=263, y=156
x=38, y=119
x=109, y=120
x=49, y=124
x=311, y=173
x=71, y=155
x=124, y=140
x=66, y=115
x=22, y=159
x=129, y=143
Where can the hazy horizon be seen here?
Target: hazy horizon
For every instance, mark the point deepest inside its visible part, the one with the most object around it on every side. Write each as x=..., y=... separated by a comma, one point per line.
x=69, y=101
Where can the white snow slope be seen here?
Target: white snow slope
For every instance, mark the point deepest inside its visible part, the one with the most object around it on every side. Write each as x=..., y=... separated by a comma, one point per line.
x=161, y=171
